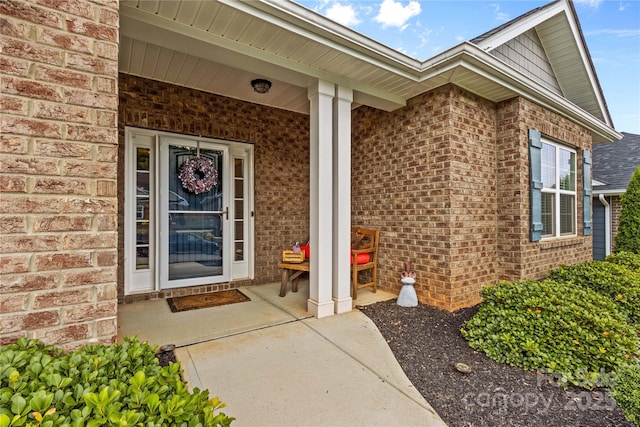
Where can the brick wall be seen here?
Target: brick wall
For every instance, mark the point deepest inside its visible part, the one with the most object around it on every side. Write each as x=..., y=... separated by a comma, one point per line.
x=520, y=258
x=58, y=171
x=281, y=140
x=447, y=181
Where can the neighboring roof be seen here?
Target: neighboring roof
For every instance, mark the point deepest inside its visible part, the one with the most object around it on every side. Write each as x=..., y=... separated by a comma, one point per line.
x=221, y=46
x=614, y=164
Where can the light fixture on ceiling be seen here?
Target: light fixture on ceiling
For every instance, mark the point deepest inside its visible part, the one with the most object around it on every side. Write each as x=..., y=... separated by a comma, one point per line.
x=261, y=85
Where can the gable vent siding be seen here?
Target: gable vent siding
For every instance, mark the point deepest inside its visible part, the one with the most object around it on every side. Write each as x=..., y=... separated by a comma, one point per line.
x=535, y=168
x=586, y=192
x=526, y=54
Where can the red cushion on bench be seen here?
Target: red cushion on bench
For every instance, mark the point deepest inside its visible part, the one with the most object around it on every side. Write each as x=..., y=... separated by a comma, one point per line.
x=361, y=258
x=305, y=248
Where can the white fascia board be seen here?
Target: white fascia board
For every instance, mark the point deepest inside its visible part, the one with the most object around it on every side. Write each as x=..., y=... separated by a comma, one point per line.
x=164, y=32
x=521, y=26
x=300, y=20
x=616, y=192
x=486, y=65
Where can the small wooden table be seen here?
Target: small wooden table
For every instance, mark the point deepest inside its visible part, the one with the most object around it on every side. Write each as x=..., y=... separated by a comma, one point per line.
x=290, y=272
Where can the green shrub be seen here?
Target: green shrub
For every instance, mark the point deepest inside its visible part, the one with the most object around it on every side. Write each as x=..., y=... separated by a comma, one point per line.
x=559, y=328
x=626, y=259
x=628, y=235
x=120, y=384
x=626, y=392
x=615, y=281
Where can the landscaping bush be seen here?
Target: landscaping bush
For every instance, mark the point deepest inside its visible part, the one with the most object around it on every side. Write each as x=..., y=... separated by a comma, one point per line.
x=628, y=235
x=626, y=392
x=615, y=281
x=626, y=259
x=560, y=328
x=120, y=384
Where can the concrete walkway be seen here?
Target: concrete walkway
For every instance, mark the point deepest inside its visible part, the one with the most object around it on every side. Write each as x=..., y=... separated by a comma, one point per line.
x=291, y=370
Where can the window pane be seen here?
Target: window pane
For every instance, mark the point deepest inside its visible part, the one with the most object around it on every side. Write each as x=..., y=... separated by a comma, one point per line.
x=548, y=158
x=567, y=170
x=548, y=214
x=567, y=214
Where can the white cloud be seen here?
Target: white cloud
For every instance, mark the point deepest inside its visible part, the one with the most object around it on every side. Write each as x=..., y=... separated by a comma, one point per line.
x=500, y=16
x=589, y=3
x=343, y=14
x=394, y=14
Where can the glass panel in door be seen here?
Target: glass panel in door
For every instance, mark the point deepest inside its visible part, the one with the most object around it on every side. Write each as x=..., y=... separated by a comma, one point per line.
x=195, y=217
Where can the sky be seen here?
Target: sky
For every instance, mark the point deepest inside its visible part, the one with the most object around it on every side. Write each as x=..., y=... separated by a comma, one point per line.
x=424, y=28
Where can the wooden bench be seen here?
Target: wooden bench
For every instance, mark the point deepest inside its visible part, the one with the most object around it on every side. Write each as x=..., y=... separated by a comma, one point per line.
x=364, y=256
x=290, y=273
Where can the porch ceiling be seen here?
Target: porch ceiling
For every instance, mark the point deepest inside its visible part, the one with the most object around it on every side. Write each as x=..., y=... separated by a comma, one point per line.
x=219, y=48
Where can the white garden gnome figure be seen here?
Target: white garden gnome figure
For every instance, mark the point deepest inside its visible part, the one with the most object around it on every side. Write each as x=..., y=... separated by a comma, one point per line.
x=408, y=297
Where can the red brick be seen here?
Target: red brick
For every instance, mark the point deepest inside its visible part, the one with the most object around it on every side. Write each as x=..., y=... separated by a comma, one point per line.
x=28, y=165
x=11, y=144
x=89, y=312
x=90, y=99
x=107, y=153
x=106, y=222
x=14, y=263
x=107, y=328
x=31, y=89
x=74, y=7
x=33, y=205
x=107, y=50
x=23, y=126
x=65, y=40
x=64, y=334
x=61, y=186
x=12, y=224
x=106, y=292
x=107, y=258
x=13, y=303
x=90, y=240
x=106, y=188
x=91, y=64
x=92, y=134
x=89, y=206
x=106, y=118
x=13, y=184
x=14, y=28
x=64, y=77
x=29, y=321
x=61, y=223
x=45, y=148
x=58, y=298
x=11, y=105
x=62, y=261
x=107, y=85
x=29, y=243
x=32, y=52
x=90, y=276
x=61, y=112
x=28, y=282
x=28, y=12
x=109, y=17
x=14, y=66
x=93, y=30
x=81, y=168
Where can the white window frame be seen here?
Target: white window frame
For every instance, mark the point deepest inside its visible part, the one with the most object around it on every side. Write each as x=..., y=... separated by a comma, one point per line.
x=557, y=192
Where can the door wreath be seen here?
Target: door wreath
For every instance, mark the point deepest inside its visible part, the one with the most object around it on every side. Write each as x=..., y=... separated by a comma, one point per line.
x=198, y=175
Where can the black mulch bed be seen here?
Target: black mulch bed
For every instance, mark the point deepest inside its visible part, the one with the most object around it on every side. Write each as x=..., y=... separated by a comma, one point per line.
x=427, y=343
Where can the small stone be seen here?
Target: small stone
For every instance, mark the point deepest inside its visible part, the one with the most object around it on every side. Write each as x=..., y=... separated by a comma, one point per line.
x=167, y=347
x=462, y=367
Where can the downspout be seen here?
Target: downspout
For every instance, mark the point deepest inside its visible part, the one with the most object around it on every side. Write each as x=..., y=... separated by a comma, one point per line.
x=607, y=224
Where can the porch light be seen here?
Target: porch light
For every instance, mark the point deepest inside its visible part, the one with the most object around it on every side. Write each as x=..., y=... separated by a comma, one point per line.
x=261, y=85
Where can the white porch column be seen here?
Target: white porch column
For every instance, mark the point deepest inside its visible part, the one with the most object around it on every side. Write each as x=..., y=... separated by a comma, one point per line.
x=342, y=199
x=320, y=302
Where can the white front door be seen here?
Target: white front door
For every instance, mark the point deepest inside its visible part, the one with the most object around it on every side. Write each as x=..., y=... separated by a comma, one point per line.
x=177, y=233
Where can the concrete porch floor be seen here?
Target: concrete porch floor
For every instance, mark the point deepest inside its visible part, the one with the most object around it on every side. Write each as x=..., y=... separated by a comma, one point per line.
x=275, y=365
x=154, y=322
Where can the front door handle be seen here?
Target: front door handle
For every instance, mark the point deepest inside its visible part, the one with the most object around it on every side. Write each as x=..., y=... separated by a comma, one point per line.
x=225, y=212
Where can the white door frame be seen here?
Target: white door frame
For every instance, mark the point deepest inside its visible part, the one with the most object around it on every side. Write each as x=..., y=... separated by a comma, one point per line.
x=155, y=278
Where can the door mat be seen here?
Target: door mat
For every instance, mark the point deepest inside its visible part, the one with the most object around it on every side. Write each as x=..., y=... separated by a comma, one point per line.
x=214, y=299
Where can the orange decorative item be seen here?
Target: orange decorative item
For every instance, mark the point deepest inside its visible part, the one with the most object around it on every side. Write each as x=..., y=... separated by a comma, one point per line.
x=360, y=258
